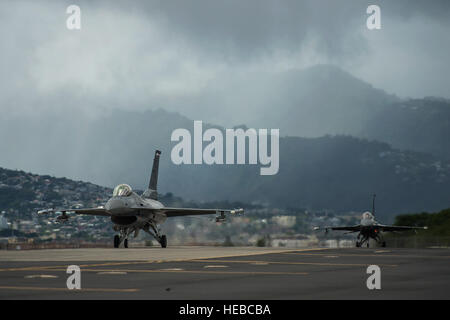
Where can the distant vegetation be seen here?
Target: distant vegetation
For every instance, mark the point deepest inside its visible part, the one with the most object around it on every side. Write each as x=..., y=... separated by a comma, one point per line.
x=437, y=235
x=438, y=223
x=16, y=233
x=11, y=197
x=22, y=193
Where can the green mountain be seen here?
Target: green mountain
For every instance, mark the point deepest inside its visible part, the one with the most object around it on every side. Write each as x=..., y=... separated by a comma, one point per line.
x=23, y=193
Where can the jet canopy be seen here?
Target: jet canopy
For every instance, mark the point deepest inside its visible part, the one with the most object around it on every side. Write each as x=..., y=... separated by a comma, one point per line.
x=122, y=190
x=367, y=215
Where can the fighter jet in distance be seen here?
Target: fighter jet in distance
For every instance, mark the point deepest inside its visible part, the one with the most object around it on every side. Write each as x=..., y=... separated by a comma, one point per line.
x=370, y=228
x=131, y=212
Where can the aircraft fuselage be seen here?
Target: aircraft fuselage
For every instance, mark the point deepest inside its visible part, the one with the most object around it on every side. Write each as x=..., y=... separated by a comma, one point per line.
x=126, y=210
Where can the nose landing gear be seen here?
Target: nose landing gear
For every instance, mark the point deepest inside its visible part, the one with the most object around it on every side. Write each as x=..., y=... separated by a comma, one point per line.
x=122, y=237
x=380, y=240
x=116, y=241
x=363, y=240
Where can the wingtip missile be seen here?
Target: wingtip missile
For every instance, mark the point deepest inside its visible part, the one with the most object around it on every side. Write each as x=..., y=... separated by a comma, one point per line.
x=237, y=211
x=45, y=211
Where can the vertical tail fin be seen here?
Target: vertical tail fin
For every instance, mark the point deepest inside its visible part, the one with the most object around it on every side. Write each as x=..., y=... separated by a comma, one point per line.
x=152, y=191
x=373, y=205
x=154, y=177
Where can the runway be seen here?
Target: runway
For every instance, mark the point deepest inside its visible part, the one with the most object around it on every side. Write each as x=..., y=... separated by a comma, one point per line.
x=225, y=273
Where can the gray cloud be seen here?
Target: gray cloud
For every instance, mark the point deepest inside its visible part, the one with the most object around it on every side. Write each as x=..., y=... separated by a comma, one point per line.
x=223, y=61
x=160, y=53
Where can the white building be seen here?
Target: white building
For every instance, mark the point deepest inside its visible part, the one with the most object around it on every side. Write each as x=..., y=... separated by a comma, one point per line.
x=3, y=222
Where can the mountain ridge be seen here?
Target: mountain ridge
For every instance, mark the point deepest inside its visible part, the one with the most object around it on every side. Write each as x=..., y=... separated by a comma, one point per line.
x=331, y=172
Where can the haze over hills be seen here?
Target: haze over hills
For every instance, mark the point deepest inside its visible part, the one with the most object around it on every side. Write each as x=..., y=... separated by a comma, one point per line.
x=415, y=124
x=322, y=100
x=316, y=101
x=338, y=173
x=316, y=171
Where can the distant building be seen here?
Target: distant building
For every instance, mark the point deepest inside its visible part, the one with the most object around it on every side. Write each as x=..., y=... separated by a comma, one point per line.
x=285, y=221
x=3, y=222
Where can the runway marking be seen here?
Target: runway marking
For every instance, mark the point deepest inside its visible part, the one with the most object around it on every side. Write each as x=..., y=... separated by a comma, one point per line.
x=367, y=255
x=44, y=268
x=254, y=262
x=67, y=290
x=43, y=276
x=271, y=251
x=112, y=272
x=193, y=271
x=215, y=266
x=172, y=269
x=234, y=255
x=34, y=268
x=106, y=264
x=297, y=263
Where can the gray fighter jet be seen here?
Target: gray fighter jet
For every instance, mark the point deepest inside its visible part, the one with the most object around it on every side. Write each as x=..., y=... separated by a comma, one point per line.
x=131, y=212
x=370, y=228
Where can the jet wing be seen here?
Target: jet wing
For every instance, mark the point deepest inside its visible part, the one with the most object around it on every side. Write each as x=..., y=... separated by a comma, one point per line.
x=88, y=211
x=176, y=212
x=399, y=228
x=355, y=228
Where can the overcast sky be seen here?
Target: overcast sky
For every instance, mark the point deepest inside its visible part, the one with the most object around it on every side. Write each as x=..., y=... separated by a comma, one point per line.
x=136, y=54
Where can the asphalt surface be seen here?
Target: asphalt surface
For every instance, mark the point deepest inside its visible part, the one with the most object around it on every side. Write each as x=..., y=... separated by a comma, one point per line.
x=226, y=273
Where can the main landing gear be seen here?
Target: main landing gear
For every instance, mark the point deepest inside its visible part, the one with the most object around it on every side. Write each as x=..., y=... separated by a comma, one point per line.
x=359, y=244
x=363, y=240
x=150, y=228
x=155, y=233
x=163, y=241
x=380, y=240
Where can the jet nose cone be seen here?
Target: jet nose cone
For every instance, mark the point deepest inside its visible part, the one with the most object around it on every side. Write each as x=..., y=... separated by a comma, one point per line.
x=114, y=205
